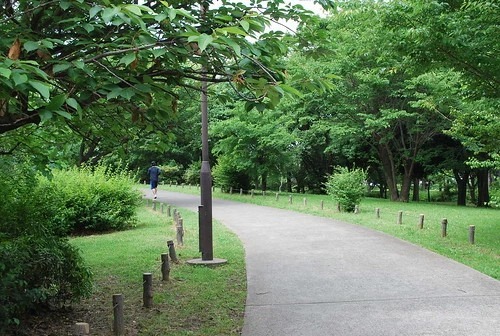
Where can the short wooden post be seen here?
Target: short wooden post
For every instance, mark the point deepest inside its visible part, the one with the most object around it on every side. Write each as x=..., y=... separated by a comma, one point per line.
x=147, y=294
x=169, y=211
x=165, y=267
x=356, y=209
x=180, y=232
x=277, y=196
x=400, y=217
x=338, y=207
x=263, y=193
x=322, y=205
x=241, y=191
x=171, y=251
x=175, y=214
x=118, y=321
x=377, y=212
x=290, y=200
x=251, y=193
x=444, y=226
x=154, y=205
x=472, y=232
x=421, y=221
x=230, y=190
x=162, y=208
x=81, y=329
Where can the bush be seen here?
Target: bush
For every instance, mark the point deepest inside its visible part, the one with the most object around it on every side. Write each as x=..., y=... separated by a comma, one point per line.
x=495, y=194
x=38, y=266
x=92, y=200
x=347, y=187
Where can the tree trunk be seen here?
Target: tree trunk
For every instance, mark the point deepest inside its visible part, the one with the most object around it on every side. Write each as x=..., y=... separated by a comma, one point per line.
x=407, y=180
x=483, y=194
x=387, y=161
x=461, y=178
x=416, y=190
x=289, y=183
x=264, y=181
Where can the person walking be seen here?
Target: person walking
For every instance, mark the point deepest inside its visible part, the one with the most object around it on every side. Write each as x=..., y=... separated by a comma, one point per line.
x=154, y=175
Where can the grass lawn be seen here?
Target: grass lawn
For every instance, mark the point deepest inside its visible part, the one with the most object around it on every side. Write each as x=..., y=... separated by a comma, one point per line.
x=483, y=256
x=197, y=300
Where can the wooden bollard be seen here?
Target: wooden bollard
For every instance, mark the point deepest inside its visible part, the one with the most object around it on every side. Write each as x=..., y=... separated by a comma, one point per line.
x=165, y=267
x=444, y=227
x=241, y=191
x=171, y=251
x=322, y=205
x=231, y=191
x=175, y=214
x=162, y=206
x=290, y=200
x=147, y=293
x=400, y=217
x=169, y=211
x=421, y=221
x=472, y=231
x=356, y=209
x=154, y=205
x=251, y=193
x=304, y=201
x=277, y=196
x=180, y=232
x=377, y=212
x=338, y=207
x=263, y=193
x=118, y=321
x=81, y=329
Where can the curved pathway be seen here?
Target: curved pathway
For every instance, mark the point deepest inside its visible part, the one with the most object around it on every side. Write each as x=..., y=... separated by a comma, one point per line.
x=314, y=276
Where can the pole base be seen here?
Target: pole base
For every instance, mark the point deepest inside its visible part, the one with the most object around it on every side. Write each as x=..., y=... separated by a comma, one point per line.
x=213, y=262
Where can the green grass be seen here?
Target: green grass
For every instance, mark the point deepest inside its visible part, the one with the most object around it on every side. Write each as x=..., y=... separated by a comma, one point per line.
x=483, y=256
x=197, y=300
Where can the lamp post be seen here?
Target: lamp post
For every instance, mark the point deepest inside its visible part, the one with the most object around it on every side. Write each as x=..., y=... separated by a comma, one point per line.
x=205, y=209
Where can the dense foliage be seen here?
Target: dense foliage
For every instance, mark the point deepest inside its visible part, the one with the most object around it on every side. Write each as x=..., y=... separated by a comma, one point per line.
x=347, y=187
x=38, y=266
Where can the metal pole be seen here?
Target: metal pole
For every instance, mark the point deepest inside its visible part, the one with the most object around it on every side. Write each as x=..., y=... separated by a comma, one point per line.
x=206, y=245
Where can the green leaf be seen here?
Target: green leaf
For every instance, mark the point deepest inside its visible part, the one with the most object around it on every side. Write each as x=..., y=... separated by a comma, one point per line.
x=64, y=114
x=64, y=5
x=114, y=93
x=231, y=43
x=5, y=72
x=45, y=115
x=56, y=102
x=232, y=30
x=42, y=88
x=291, y=90
x=19, y=78
x=88, y=27
x=30, y=46
x=94, y=10
x=134, y=9
x=127, y=59
x=60, y=67
x=245, y=25
x=73, y=103
x=204, y=41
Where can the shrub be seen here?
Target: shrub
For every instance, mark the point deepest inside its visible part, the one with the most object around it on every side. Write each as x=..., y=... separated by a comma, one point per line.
x=347, y=187
x=93, y=200
x=37, y=264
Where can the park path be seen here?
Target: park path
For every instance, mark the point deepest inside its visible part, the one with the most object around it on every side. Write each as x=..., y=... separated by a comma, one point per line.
x=314, y=276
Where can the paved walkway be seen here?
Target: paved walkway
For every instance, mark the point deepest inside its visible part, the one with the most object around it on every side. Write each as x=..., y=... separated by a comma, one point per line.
x=313, y=276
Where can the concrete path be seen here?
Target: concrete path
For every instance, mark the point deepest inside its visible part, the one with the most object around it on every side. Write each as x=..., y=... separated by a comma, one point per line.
x=312, y=276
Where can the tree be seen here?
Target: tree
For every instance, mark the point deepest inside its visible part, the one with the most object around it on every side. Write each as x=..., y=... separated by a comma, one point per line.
x=384, y=99
x=67, y=58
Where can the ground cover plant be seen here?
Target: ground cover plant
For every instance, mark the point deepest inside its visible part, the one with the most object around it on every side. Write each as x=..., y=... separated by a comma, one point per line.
x=483, y=255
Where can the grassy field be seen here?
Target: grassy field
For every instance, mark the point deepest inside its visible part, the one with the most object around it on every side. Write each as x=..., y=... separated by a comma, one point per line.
x=483, y=256
x=197, y=300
